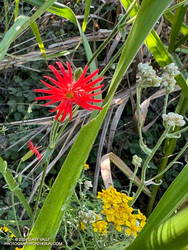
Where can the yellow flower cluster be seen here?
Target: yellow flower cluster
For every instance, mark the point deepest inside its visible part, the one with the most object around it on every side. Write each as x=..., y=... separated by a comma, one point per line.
x=118, y=212
x=100, y=226
x=7, y=230
x=18, y=248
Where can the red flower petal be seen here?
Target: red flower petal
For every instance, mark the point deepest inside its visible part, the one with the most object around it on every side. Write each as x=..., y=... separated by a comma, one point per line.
x=68, y=92
x=34, y=149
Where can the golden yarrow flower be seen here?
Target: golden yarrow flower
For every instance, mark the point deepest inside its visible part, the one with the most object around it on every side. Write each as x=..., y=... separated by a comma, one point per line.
x=100, y=227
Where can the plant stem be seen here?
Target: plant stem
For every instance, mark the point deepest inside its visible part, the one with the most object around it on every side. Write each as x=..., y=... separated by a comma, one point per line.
x=39, y=193
x=165, y=103
x=143, y=146
x=170, y=164
x=132, y=179
x=146, y=163
x=14, y=211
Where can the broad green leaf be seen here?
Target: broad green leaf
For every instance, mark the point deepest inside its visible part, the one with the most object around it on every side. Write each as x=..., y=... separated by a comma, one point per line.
x=173, y=197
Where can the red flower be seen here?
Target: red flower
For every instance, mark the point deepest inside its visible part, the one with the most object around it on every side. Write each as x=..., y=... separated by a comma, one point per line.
x=34, y=149
x=68, y=92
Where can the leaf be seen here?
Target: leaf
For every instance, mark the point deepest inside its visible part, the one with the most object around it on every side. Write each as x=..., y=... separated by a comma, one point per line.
x=36, y=32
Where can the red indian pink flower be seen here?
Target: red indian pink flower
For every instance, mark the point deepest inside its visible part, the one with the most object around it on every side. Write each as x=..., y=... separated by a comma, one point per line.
x=34, y=149
x=68, y=92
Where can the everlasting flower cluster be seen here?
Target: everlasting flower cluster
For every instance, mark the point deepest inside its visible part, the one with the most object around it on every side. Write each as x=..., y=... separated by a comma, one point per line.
x=87, y=185
x=168, y=77
x=136, y=161
x=88, y=216
x=148, y=76
x=173, y=119
x=118, y=212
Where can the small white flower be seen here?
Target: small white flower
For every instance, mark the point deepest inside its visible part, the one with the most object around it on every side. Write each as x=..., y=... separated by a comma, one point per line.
x=172, y=69
x=88, y=185
x=148, y=76
x=168, y=77
x=136, y=161
x=87, y=217
x=173, y=119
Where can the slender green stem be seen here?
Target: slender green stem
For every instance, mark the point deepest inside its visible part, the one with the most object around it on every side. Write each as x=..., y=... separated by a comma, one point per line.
x=54, y=129
x=146, y=164
x=179, y=131
x=39, y=193
x=170, y=164
x=112, y=60
x=132, y=179
x=6, y=15
x=165, y=103
x=16, y=9
x=15, y=216
x=143, y=146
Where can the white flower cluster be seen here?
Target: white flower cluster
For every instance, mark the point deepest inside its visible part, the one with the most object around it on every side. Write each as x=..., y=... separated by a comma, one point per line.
x=136, y=161
x=173, y=119
x=148, y=76
x=168, y=77
x=87, y=185
x=88, y=217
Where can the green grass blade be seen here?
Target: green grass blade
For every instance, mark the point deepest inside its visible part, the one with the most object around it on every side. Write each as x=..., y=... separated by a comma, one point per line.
x=86, y=14
x=173, y=197
x=177, y=23
x=11, y=35
x=36, y=32
x=16, y=9
x=57, y=8
x=170, y=17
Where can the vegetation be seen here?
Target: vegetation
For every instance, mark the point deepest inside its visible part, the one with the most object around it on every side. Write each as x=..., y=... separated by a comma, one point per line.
x=113, y=76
